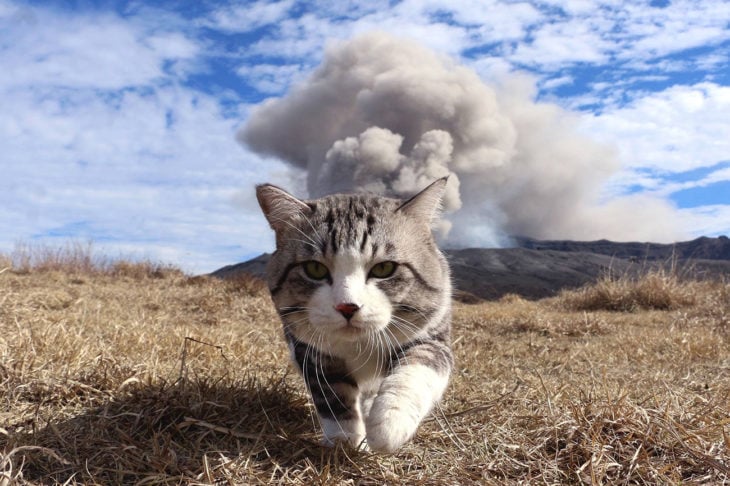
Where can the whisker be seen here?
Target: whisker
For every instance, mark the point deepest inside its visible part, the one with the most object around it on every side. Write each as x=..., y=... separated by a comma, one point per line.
x=310, y=241
x=400, y=355
x=314, y=231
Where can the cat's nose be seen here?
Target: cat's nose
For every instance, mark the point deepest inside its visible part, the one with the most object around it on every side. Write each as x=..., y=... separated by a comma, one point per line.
x=347, y=309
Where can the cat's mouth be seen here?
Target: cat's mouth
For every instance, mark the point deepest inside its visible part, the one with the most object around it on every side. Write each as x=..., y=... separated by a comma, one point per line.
x=351, y=329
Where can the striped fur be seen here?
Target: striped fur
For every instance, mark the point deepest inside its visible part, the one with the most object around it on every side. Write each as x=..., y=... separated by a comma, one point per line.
x=364, y=295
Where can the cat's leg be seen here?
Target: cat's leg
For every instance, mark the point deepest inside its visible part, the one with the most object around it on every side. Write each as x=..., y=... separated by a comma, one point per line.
x=366, y=402
x=407, y=394
x=338, y=412
x=335, y=395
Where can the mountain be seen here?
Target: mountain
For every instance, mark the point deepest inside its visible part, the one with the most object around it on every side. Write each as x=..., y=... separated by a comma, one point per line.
x=490, y=273
x=702, y=248
x=539, y=268
x=255, y=266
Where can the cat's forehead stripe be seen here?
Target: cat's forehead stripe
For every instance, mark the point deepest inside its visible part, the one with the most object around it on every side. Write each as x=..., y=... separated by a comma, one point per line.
x=349, y=222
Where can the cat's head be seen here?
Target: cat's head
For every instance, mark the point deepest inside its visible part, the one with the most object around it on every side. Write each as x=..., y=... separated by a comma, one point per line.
x=350, y=267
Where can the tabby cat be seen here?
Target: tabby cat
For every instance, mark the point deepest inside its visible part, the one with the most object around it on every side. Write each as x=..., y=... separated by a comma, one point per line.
x=365, y=298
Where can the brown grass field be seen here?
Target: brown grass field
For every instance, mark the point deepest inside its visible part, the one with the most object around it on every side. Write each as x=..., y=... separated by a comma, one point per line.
x=134, y=373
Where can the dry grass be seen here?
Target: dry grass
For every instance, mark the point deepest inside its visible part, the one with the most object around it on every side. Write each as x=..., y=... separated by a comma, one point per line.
x=78, y=258
x=144, y=377
x=659, y=288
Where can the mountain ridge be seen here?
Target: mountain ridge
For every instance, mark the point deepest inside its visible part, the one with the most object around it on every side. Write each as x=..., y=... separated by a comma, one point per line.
x=542, y=268
x=702, y=248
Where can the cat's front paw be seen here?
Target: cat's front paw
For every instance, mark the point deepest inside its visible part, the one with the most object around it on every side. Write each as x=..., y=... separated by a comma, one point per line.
x=351, y=432
x=389, y=429
x=358, y=443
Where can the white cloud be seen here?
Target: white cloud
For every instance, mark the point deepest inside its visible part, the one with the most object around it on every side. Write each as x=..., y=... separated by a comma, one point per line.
x=713, y=61
x=667, y=188
x=294, y=39
x=683, y=24
x=595, y=31
x=102, y=141
x=720, y=175
x=152, y=170
x=487, y=20
x=173, y=45
x=546, y=35
x=712, y=220
x=675, y=130
x=562, y=43
x=491, y=68
x=271, y=78
x=249, y=16
x=556, y=82
x=101, y=52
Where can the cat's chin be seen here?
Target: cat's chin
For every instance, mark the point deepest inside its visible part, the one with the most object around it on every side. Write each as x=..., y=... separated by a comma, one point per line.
x=351, y=333
x=355, y=330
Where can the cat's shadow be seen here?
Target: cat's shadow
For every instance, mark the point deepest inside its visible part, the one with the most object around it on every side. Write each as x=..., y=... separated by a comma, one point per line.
x=163, y=433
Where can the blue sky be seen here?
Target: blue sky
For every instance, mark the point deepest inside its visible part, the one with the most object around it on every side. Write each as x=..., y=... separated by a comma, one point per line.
x=119, y=118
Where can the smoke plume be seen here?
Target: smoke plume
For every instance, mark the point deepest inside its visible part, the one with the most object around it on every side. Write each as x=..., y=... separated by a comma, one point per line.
x=388, y=116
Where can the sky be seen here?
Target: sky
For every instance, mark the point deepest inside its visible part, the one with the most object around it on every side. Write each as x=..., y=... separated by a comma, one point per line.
x=119, y=120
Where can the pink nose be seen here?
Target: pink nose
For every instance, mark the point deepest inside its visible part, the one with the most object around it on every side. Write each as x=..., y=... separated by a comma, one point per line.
x=347, y=309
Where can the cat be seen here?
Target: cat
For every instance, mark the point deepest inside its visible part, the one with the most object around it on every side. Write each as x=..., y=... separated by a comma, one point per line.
x=364, y=295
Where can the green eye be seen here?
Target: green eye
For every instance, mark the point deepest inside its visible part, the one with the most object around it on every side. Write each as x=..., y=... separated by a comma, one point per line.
x=315, y=270
x=383, y=270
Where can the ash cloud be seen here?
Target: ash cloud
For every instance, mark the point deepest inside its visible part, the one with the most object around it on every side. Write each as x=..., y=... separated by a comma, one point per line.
x=386, y=115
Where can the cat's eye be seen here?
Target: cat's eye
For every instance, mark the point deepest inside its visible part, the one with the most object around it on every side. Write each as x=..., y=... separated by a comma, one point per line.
x=315, y=270
x=382, y=270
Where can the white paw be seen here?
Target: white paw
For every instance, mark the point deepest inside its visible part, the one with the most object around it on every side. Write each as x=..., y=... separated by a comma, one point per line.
x=388, y=430
x=403, y=400
x=358, y=443
x=351, y=432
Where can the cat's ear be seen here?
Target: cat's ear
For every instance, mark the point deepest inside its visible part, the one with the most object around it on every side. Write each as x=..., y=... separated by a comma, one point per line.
x=282, y=210
x=426, y=204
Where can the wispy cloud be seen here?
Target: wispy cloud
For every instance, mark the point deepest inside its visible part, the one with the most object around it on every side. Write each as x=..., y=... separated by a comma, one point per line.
x=270, y=78
x=703, y=220
x=249, y=16
x=90, y=51
x=556, y=82
x=558, y=44
x=674, y=130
